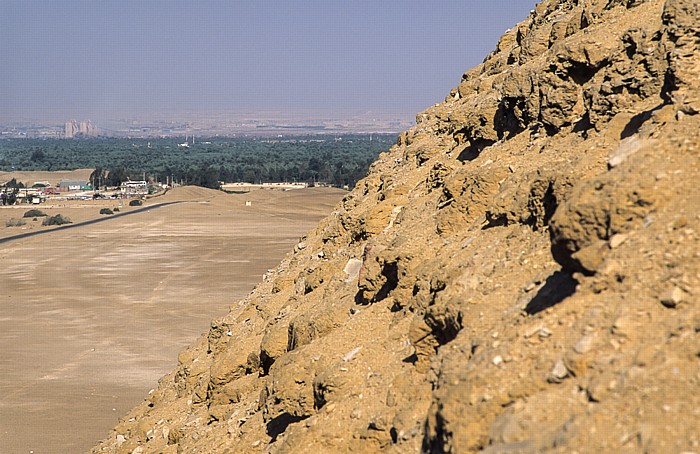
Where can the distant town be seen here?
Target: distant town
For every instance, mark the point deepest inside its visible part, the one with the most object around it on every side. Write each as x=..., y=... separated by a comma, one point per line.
x=16, y=193
x=13, y=192
x=210, y=125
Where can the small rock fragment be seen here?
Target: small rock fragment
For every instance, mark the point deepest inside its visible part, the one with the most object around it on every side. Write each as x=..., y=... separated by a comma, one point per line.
x=532, y=331
x=352, y=270
x=590, y=257
x=584, y=344
x=559, y=372
x=624, y=325
x=598, y=388
x=617, y=239
x=673, y=297
x=351, y=354
x=539, y=330
x=646, y=434
x=625, y=149
x=468, y=242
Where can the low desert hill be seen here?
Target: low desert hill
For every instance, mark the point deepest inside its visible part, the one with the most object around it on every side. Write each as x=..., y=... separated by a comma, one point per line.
x=519, y=274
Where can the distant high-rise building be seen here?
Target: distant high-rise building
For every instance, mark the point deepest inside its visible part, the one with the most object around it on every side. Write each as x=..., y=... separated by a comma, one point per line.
x=79, y=129
x=71, y=129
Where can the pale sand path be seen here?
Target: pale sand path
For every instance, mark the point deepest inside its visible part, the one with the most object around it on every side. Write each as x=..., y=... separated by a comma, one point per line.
x=91, y=317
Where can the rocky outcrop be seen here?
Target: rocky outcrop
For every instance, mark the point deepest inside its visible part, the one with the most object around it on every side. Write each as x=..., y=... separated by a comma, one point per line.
x=520, y=273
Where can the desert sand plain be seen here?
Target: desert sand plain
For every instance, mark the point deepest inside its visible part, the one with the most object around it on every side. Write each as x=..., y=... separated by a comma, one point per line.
x=54, y=177
x=92, y=316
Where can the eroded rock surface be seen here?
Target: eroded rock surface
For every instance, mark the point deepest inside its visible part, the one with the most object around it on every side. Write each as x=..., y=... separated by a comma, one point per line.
x=520, y=273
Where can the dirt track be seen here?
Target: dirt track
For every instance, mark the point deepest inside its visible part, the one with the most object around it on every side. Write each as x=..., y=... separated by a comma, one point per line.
x=93, y=316
x=83, y=223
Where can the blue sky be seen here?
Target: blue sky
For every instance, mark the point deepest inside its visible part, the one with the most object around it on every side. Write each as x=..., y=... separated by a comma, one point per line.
x=92, y=58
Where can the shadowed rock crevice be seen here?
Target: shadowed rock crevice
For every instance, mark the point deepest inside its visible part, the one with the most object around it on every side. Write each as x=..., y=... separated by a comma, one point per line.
x=510, y=119
x=581, y=73
x=474, y=149
x=636, y=122
x=277, y=426
x=390, y=273
x=556, y=289
x=444, y=321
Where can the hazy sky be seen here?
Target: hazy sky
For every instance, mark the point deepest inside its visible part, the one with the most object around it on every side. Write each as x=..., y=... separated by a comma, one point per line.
x=106, y=59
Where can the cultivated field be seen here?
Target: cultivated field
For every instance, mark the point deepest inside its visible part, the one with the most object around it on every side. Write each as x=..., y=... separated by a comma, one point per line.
x=92, y=316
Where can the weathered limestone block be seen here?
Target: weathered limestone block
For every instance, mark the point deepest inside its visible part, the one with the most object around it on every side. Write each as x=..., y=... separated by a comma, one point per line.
x=466, y=195
x=474, y=119
x=317, y=321
x=534, y=42
x=230, y=365
x=558, y=99
x=288, y=394
x=378, y=218
x=372, y=279
x=602, y=207
x=424, y=343
x=682, y=23
x=234, y=391
x=274, y=343
x=529, y=199
x=218, y=335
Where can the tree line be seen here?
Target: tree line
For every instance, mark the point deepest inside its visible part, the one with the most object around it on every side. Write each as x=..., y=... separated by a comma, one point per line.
x=329, y=159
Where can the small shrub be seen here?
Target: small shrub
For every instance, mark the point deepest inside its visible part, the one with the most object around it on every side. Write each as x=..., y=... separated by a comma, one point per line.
x=106, y=211
x=12, y=222
x=34, y=214
x=135, y=203
x=56, y=220
x=116, y=210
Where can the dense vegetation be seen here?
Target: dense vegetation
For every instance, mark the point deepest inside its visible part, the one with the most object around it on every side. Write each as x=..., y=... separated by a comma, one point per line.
x=34, y=213
x=57, y=220
x=329, y=159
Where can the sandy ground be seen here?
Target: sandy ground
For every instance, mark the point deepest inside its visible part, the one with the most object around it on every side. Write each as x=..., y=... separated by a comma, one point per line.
x=53, y=177
x=92, y=316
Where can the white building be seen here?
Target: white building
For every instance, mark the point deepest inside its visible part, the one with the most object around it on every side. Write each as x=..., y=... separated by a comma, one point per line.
x=134, y=188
